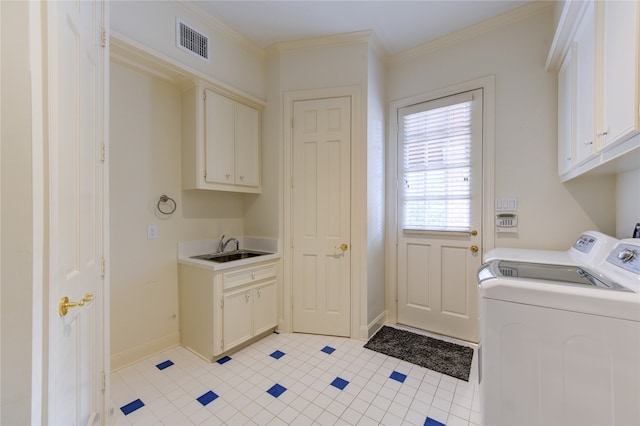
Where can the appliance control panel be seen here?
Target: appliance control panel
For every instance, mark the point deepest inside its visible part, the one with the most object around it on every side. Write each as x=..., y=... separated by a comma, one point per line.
x=626, y=256
x=585, y=243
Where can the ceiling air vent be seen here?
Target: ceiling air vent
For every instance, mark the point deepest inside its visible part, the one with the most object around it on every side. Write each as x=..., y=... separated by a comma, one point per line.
x=191, y=40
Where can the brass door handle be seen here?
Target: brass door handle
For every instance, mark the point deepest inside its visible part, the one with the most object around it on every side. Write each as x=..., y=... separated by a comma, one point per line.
x=474, y=248
x=65, y=305
x=342, y=247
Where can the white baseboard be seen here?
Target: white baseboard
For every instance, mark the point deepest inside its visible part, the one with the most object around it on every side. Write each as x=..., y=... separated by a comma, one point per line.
x=374, y=325
x=145, y=350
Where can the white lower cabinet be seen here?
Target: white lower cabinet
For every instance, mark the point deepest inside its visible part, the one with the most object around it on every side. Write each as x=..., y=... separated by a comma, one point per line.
x=221, y=310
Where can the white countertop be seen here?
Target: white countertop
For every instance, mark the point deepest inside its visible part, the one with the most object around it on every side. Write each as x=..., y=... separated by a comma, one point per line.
x=199, y=247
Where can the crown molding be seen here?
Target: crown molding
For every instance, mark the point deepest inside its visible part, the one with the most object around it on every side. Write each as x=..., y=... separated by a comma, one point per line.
x=223, y=28
x=336, y=40
x=507, y=18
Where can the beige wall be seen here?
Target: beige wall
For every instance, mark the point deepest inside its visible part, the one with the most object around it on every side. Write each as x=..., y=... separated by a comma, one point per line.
x=551, y=214
x=16, y=217
x=628, y=202
x=144, y=162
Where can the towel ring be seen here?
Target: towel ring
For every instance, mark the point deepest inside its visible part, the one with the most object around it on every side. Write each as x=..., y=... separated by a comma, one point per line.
x=164, y=200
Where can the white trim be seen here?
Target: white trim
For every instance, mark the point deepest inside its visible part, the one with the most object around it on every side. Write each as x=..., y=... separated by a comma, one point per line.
x=39, y=306
x=145, y=350
x=358, y=152
x=374, y=326
x=488, y=165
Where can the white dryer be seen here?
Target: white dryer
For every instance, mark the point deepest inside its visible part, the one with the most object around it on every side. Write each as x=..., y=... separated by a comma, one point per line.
x=560, y=341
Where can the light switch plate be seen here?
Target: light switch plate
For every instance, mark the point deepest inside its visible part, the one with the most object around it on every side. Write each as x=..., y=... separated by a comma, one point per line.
x=152, y=232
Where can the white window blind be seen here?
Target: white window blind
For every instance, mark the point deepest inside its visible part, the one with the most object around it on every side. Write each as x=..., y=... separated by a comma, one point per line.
x=435, y=165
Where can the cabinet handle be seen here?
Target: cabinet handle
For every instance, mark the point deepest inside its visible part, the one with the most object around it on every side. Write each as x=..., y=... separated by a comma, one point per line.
x=599, y=134
x=587, y=143
x=260, y=293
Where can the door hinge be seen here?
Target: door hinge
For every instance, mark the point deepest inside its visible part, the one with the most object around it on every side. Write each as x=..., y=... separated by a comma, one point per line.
x=103, y=152
x=291, y=183
x=103, y=267
x=204, y=95
x=205, y=175
x=221, y=303
x=292, y=125
x=221, y=344
x=104, y=38
x=104, y=382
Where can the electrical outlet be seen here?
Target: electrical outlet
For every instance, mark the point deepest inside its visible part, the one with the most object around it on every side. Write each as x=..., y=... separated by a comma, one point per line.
x=152, y=232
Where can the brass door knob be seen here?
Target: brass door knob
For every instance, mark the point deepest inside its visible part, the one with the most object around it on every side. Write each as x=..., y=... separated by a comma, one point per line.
x=342, y=247
x=65, y=304
x=474, y=248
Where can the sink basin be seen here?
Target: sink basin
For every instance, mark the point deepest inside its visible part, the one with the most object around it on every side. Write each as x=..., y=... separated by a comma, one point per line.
x=230, y=255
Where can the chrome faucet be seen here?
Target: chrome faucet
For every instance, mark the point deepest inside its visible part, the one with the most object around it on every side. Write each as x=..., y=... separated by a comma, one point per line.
x=222, y=244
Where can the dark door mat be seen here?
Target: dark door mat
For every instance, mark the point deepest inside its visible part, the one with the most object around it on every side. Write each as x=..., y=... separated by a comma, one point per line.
x=437, y=355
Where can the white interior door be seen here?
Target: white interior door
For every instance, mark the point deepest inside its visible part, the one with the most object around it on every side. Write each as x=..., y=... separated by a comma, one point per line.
x=75, y=128
x=321, y=216
x=440, y=214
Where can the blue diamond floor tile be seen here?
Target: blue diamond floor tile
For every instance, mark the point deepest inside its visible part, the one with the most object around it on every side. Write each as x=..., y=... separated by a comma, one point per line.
x=223, y=360
x=339, y=383
x=131, y=407
x=276, y=390
x=163, y=365
x=207, y=398
x=328, y=350
x=431, y=422
x=277, y=354
x=398, y=376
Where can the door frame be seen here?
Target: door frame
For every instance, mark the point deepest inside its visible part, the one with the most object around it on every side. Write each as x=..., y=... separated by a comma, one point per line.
x=488, y=173
x=358, y=203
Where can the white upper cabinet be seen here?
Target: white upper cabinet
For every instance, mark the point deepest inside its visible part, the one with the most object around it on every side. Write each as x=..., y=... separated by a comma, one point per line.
x=583, y=57
x=596, y=52
x=220, y=142
x=620, y=78
x=566, y=127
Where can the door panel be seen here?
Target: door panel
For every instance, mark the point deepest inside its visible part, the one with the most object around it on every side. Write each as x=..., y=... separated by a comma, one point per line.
x=436, y=268
x=321, y=216
x=76, y=224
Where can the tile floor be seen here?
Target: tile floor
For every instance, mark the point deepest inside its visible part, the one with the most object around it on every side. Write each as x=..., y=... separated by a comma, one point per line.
x=295, y=379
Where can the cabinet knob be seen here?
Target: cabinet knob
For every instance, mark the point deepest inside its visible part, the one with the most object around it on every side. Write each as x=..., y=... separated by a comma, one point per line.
x=253, y=275
x=474, y=249
x=247, y=297
x=241, y=177
x=587, y=143
x=228, y=175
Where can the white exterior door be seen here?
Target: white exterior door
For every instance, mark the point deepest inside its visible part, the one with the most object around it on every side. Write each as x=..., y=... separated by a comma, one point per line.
x=75, y=211
x=321, y=216
x=440, y=215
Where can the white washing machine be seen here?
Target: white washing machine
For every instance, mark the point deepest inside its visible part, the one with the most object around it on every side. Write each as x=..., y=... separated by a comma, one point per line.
x=560, y=341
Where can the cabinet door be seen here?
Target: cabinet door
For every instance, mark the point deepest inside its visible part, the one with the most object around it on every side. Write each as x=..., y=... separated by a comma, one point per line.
x=219, y=137
x=264, y=305
x=584, y=47
x=237, y=318
x=247, y=142
x=565, y=114
x=620, y=70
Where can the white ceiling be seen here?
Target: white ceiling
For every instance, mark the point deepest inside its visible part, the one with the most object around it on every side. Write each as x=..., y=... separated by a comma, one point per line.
x=399, y=25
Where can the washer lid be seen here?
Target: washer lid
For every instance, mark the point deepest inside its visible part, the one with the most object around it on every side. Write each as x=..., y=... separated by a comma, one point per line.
x=558, y=274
